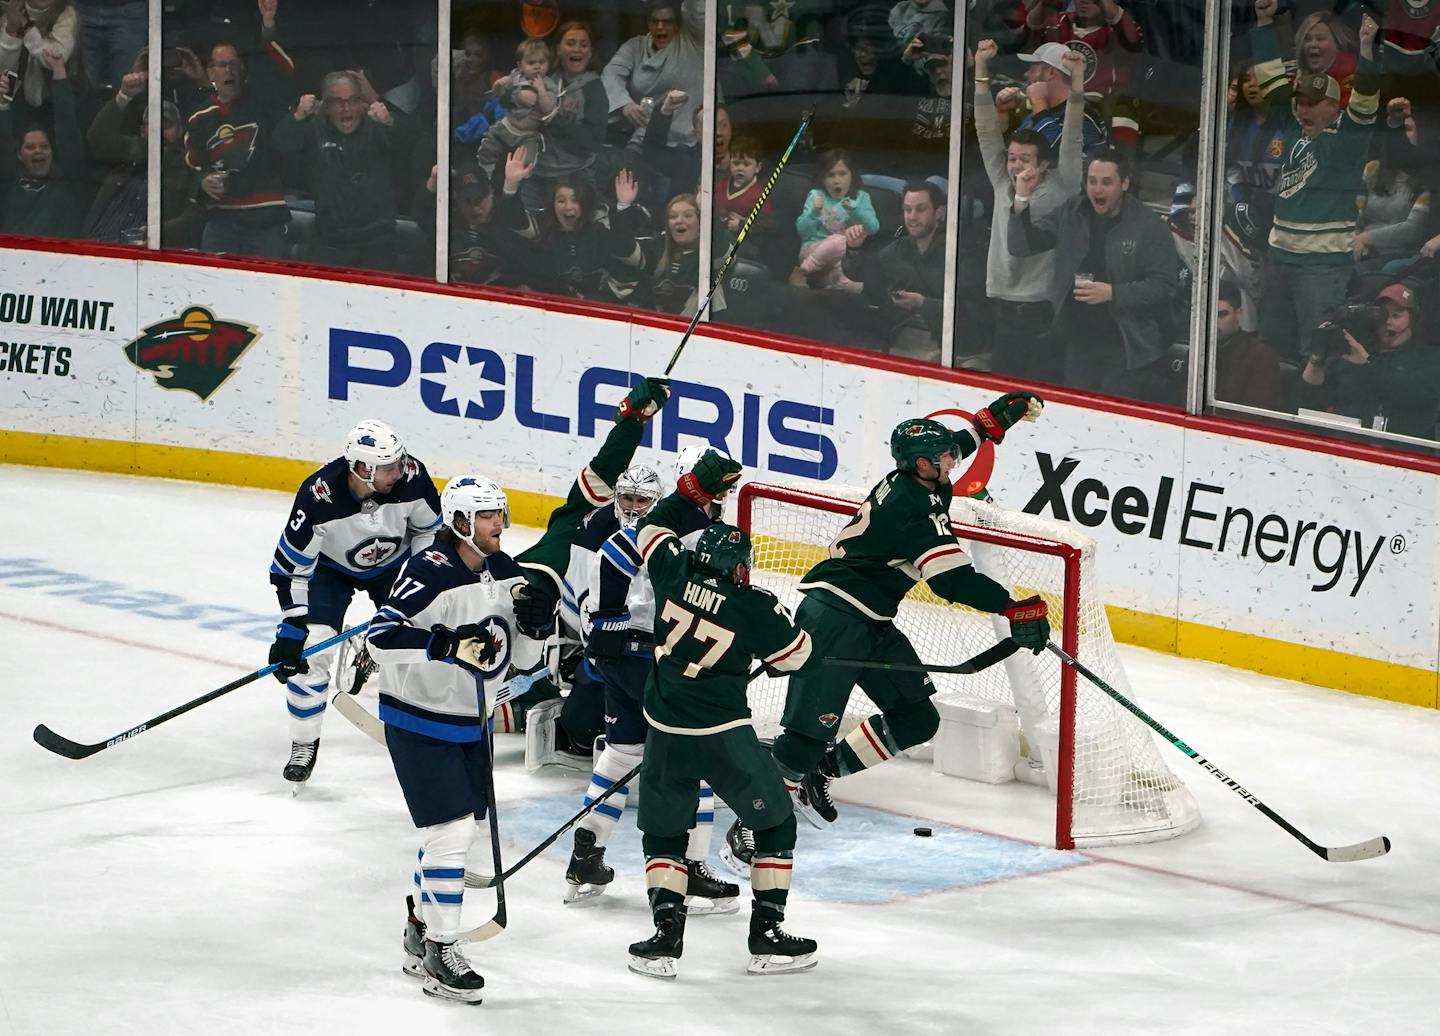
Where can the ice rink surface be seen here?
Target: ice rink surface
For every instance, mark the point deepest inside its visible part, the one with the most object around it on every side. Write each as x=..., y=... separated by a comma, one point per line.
x=172, y=885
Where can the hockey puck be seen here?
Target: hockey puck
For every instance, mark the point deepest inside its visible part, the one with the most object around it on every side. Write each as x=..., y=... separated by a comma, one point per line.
x=922, y=832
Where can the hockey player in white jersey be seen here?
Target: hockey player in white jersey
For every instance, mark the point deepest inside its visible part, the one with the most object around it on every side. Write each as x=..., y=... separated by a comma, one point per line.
x=616, y=605
x=352, y=526
x=443, y=642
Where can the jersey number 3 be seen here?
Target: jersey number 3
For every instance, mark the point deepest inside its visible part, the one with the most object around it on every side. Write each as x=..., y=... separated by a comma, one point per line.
x=718, y=637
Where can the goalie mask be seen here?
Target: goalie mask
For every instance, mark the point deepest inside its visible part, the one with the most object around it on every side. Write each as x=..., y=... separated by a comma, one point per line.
x=921, y=437
x=468, y=496
x=636, y=491
x=720, y=548
x=374, y=444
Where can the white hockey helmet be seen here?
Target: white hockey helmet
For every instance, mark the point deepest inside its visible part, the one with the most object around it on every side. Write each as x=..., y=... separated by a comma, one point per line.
x=467, y=495
x=637, y=480
x=687, y=458
x=375, y=444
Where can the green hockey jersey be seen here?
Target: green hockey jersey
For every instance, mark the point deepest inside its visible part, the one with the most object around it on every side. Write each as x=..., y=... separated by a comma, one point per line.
x=900, y=535
x=707, y=633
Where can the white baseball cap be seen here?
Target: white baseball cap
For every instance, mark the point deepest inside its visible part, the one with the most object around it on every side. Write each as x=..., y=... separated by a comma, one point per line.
x=1051, y=54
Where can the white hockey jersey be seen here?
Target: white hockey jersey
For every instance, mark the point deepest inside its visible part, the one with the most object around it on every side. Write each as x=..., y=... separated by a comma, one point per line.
x=439, y=699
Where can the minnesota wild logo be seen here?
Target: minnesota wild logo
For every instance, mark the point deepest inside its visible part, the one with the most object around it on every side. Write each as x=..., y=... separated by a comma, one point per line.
x=193, y=351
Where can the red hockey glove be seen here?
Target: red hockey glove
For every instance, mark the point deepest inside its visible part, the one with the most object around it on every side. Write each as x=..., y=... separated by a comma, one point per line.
x=1029, y=626
x=712, y=475
x=995, y=419
x=644, y=400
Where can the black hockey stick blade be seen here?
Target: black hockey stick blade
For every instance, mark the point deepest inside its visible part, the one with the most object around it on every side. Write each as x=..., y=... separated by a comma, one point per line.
x=496, y=924
x=1366, y=850
x=984, y=660
x=53, y=742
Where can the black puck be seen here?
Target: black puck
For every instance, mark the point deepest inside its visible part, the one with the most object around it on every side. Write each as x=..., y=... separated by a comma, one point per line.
x=922, y=832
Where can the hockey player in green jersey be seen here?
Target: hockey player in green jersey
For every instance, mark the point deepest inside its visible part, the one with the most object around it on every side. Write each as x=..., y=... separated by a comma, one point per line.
x=900, y=535
x=710, y=625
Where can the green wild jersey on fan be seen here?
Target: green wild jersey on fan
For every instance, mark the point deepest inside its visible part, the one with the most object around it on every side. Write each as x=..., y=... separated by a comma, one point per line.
x=707, y=632
x=900, y=535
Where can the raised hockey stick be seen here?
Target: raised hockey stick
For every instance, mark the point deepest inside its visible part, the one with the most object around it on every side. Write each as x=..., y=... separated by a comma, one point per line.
x=496, y=924
x=739, y=237
x=984, y=660
x=1366, y=850
x=53, y=742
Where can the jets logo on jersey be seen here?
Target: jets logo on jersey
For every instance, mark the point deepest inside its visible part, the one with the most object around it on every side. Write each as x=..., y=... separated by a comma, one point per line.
x=498, y=630
x=411, y=467
x=321, y=490
x=373, y=553
x=436, y=557
x=194, y=351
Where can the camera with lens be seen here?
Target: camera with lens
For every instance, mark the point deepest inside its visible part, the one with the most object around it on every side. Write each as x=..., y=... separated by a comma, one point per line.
x=1358, y=318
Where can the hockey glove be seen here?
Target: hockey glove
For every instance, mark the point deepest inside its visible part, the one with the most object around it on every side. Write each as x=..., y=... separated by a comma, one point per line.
x=463, y=645
x=712, y=475
x=644, y=400
x=1029, y=626
x=288, y=650
x=534, y=611
x=995, y=419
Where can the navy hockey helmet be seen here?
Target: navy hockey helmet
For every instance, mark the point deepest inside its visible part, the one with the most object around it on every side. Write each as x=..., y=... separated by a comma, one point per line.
x=720, y=548
x=921, y=437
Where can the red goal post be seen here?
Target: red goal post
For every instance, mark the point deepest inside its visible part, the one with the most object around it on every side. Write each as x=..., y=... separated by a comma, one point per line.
x=1111, y=784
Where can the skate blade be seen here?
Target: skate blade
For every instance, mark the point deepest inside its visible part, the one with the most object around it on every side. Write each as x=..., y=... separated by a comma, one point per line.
x=414, y=967
x=655, y=967
x=778, y=964
x=699, y=906
x=461, y=996
x=295, y=787
x=736, y=865
x=580, y=893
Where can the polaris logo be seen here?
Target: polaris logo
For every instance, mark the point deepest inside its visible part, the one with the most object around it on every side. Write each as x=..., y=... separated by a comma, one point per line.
x=1334, y=554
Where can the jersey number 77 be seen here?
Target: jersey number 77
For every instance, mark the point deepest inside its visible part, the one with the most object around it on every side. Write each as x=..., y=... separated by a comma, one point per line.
x=706, y=632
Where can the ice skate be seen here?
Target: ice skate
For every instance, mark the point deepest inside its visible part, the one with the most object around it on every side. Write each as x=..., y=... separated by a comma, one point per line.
x=587, y=875
x=449, y=976
x=707, y=894
x=301, y=764
x=414, y=942
x=812, y=799
x=774, y=951
x=739, y=849
x=659, y=955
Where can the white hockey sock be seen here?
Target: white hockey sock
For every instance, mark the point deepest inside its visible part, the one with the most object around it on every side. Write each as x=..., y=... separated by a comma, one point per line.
x=699, y=847
x=614, y=762
x=442, y=877
x=306, y=694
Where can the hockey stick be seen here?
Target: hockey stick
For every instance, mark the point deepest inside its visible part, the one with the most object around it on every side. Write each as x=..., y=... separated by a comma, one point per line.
x=1366, y=850
x=984, y=660
x=481, y=882
x=496, y=924
x=739, y=237
x=53, y=742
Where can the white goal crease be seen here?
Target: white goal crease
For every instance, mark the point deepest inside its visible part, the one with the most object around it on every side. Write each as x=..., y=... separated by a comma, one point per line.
x=1112, y=786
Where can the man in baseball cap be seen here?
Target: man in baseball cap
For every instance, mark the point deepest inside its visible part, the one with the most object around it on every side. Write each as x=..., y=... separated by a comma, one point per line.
x=1052, y=54
x=1048, y=82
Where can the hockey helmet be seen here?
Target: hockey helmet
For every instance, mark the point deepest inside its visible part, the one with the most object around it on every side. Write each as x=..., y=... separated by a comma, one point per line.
x=921, y=437
x=375, y=444
x=720, y=548
x=637, y=480
x=467, y=495
x=687, y=458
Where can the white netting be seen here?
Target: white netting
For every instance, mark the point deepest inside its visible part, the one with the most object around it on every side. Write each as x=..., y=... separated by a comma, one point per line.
x=1122, y=791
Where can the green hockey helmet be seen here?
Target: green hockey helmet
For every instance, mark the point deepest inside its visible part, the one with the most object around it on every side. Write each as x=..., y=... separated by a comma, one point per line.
x=921, y=437
x=720, y=548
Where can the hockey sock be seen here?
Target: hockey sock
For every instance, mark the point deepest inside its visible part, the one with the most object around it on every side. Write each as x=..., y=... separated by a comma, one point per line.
x=770, y=882
x=797, y=754
x=305, y=693
x=699, y=847
x=867, y=745
x=442, y=877
x=614, y=762
x=666, y=879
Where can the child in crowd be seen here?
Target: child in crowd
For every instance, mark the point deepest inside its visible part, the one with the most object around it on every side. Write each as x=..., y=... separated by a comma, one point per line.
x=741, y=189
x=837, y=214
x=529, y=97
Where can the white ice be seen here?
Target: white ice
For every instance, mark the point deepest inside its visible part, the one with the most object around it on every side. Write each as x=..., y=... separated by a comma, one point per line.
x=171, y=884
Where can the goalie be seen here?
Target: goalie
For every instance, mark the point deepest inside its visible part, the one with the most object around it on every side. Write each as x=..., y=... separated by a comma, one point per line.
x=900, y=535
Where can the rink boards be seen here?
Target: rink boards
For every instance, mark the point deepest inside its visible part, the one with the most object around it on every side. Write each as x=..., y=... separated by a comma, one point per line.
x=1216, y=541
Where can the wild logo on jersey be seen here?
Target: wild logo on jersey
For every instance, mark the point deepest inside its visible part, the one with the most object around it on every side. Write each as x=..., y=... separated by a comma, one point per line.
x=232, y=146
x=194, y=351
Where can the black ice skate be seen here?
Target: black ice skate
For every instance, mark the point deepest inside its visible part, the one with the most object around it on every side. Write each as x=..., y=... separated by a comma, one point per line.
x=449, y=976
x=414, y=942
x=739, y=849
x=774, y=951
x=302, y=763
x=587, y=875
x=658, y=956
x=812, y=799
x=707, y=894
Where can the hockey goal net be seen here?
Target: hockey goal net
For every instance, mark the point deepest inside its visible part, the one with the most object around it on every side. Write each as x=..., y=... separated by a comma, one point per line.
x=1112, y=786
